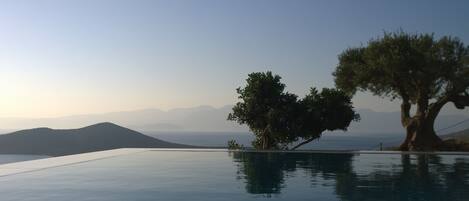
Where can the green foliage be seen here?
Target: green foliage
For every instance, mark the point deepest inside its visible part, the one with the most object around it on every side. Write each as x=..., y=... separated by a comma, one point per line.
x=278, y=118
x=233, y=145
x=401, y=65
x=419, y=70
x=330, y=110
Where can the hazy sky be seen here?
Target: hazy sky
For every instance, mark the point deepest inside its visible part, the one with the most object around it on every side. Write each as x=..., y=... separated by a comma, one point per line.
x=74, y=57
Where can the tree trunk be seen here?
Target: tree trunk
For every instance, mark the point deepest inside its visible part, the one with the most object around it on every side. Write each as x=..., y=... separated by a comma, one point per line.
x=421, y=136
x=267, y=142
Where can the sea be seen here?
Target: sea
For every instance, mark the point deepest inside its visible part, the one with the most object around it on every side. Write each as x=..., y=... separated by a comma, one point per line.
x=329, y=141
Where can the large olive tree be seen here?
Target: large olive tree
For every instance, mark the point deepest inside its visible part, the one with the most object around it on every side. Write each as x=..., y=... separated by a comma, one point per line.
x=423, y=72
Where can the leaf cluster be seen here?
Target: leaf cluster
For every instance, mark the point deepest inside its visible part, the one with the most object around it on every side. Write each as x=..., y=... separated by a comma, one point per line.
x=407, y=66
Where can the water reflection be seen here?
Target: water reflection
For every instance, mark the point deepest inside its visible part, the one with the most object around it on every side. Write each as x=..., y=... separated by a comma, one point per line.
x=413, y=177
x=264, y=173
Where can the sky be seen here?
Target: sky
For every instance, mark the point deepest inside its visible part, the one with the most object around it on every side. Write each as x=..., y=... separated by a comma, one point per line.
x=67, y=57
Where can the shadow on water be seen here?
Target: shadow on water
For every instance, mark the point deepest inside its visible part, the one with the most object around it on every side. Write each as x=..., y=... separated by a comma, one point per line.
x=413, y=177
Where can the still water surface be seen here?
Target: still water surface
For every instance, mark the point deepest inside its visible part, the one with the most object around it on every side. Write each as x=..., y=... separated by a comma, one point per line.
x=218, y=175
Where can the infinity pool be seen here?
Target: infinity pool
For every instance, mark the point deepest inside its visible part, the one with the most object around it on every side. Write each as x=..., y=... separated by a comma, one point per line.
x=220, y=175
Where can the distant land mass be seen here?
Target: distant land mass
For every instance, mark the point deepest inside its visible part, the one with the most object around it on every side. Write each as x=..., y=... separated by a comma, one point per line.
x=460, y=135
x=105, y=136
x=211, y=120
x=202, y=118
x=98, y=137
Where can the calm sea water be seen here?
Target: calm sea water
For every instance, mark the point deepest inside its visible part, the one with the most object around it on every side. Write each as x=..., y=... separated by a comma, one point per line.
x=216, y=175
x=330, y=141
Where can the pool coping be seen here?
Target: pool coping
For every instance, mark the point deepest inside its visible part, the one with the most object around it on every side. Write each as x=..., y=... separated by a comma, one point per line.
x=46, y=163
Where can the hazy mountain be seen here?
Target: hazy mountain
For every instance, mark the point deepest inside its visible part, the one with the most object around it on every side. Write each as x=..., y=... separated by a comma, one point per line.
x=389, y=122
x=98, y=137
x=208, y=119
x=202, y=118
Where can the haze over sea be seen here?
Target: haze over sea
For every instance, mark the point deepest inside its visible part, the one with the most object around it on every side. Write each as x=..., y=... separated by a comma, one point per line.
x=207, y=126
x=330, y=141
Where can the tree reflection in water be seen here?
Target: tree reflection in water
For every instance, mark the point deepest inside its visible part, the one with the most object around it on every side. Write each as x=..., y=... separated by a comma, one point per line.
x=414, y=177
x=265, y=172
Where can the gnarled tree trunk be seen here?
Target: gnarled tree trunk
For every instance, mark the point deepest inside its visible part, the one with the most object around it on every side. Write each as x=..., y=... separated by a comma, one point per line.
x=420, y=133
x=265, y=140
x=420, y=136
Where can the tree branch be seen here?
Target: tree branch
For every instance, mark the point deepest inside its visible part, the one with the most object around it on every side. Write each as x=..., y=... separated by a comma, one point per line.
x=304, y=142
x=405, y=106
x=405, y=112
x=460, y=101
x=435, y=107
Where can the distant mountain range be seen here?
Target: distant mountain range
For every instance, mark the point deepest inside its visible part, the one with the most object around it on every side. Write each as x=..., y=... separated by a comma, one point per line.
x=202, y=118
x=98, y=137
x=389, y=122
x=105, y=136
x=209, y=119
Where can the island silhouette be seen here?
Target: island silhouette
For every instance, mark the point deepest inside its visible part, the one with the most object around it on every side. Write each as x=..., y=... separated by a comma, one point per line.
x=59, y=142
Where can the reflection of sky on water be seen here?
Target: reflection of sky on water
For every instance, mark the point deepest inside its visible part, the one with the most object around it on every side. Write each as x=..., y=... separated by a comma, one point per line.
x=218, y=175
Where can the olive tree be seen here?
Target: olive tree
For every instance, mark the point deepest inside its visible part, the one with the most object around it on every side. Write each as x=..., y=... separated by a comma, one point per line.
x=278, y=118
x=423, y=72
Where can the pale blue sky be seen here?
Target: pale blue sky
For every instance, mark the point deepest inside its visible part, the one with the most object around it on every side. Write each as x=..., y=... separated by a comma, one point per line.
x=73, y=57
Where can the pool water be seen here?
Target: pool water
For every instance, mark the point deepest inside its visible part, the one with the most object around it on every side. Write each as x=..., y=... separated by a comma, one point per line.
x=220, y=175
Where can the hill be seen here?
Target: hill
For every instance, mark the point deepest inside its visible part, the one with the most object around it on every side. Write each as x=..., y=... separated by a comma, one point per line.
x=98, y=137
x=460, y=135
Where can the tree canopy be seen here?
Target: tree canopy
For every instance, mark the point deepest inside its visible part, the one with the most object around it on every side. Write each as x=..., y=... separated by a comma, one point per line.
x=417, y=69
x=278, y=118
